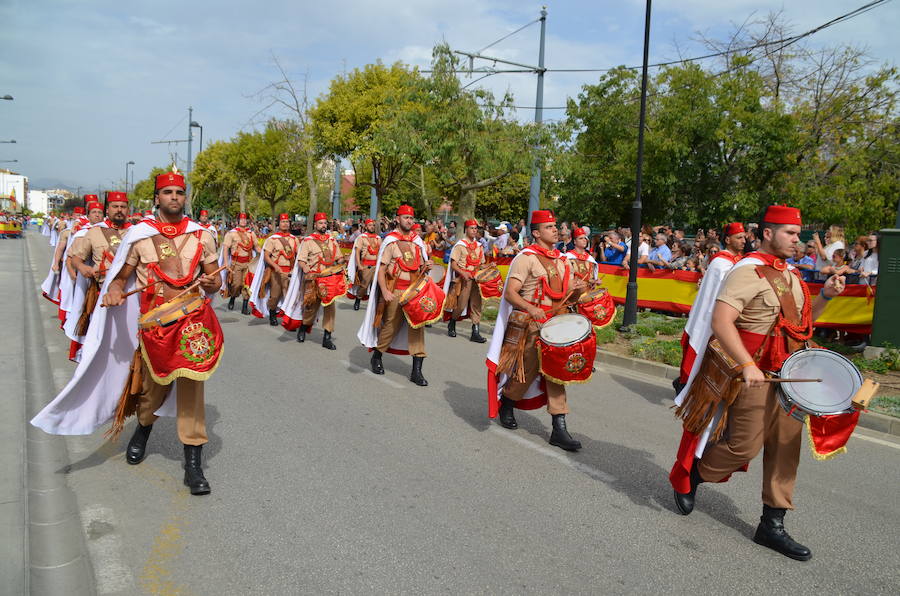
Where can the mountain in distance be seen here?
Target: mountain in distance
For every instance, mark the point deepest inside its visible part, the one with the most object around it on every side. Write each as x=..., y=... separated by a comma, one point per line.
x=48, y=183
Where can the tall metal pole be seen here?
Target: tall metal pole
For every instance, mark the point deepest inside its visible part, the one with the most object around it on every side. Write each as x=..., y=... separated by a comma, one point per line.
x=630, y=315
x=190, y=137
x=126, y=177
x=534, y=193
x=373, y=199
x=336, y=192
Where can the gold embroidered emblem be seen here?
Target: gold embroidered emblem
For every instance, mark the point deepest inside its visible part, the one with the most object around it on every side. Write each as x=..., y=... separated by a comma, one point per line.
x=780, y=287
x=428, y=304
x=552, y=272
x=576, y=363
x=115, y=241
x=407, y=256
x=165, y=250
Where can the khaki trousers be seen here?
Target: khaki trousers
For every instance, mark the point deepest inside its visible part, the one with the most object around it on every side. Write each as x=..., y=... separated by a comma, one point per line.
x=364, y=276
x=238, y=273
x=390, y=325
x=278, y=285
x=757, y=421
x=470, y=297
x=191, y=411
x=556, y=393
x=309, y=315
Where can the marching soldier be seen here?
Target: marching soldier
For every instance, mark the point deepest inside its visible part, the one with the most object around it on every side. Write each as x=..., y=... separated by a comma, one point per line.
x=361, y=269
x=463, y=297
x=540, y=282
x=318, y=252
x=274, y=271
x=238, y=249
x=402, y=259
x=166, y=257
x=584, y=266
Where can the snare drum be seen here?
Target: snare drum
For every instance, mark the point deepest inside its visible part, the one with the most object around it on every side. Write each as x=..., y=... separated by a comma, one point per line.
x=169, y=312
x=567, y=346
x=331, y=284
x=490, y=282
x=598, y=306
x=422, y=302
x=840, y=382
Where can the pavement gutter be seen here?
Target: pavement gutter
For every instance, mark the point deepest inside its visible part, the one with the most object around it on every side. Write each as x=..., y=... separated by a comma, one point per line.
x=58, y=559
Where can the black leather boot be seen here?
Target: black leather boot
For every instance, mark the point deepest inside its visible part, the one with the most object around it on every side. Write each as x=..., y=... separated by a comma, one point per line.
x=560, y=436
x=193, y=473
x=326, y=341
x=416, y=375
x=231, y=303
x=356, y=304
x=377, y=366
x=771, y=533
x=451, y=327
x=476, y=335
x=245, y=307
x=507, y=417
x=137, y=446
x=301, y=333
x=273, y=318
x=685, y=501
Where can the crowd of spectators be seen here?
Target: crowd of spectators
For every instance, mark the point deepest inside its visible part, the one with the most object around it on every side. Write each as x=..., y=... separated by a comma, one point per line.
x=660, y=247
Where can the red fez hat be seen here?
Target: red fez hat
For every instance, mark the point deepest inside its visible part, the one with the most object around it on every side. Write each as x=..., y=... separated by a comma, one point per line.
x=416, y=227
x=242, y=215
x=368, y=221
x=116, y=196
x=579, y=232
x=173, y=178
x=89, y=198
x=734, y=228
x=782, y=214
x=78, y=211
x=204, y=212
x=320, y=217
x=284, y=217
x=94, y=205
x=470, y=222
x=542, y=216
x=405, y=210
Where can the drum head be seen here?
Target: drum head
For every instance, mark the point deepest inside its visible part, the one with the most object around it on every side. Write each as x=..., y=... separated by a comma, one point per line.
x=565, y=329
x=437, y=273
x=840, y=381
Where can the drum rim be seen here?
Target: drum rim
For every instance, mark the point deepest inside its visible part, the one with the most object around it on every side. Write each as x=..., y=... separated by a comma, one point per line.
x=146, y=321
x=791, y=398
x=590, y=329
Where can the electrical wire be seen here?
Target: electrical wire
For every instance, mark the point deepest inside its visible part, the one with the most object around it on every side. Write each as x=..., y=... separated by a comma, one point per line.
x=508, y=35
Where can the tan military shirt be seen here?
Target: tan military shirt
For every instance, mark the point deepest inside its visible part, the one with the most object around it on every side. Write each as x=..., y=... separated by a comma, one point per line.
x=236, y=242
x=311, y=252
x=529, y=270
x=94, y=245
x=461, y=252
x=143, y=252
x=362, y=248
x=390, y=255
x=755, y=299
x=274, y=246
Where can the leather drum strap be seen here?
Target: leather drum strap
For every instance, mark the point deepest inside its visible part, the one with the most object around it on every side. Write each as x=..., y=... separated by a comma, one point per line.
x=782, y=289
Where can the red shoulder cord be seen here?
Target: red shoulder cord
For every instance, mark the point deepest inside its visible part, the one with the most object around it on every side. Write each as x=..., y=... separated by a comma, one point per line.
x=401, y=263
x=801, y=332
x=189, y=276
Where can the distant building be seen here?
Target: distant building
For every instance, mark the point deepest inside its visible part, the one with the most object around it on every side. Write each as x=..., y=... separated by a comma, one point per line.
x=13, y=191
x=45, y=201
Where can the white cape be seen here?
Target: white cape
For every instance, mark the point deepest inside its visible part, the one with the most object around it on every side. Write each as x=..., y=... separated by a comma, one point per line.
x=79, y=290
x=90, y=398
x=574, y=257
x=368, y=334
x=496, y=345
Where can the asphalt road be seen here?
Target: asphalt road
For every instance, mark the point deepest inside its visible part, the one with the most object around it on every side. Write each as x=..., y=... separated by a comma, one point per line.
x=329, y=479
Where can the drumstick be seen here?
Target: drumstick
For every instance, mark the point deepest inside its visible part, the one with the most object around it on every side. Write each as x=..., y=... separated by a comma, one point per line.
x=778, y=380
x=152, y=283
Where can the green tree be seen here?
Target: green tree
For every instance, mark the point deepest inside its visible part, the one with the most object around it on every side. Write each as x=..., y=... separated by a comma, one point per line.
x=348, y=119
x=266, y=160
x=141, y=197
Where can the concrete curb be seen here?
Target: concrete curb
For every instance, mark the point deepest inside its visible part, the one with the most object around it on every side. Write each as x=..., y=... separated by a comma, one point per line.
x=57, y=555
x=871, y=420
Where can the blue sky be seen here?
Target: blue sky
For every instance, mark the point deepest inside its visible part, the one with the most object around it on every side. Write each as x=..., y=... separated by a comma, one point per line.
x=96, y=81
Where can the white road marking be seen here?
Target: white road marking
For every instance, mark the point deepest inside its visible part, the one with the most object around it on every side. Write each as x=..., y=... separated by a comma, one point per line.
x=106, y=547
x=353, y=368
x=876, y=440
x=554, y=453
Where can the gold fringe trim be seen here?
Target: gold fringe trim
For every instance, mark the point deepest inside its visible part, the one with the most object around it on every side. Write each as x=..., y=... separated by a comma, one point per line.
x=439, y=316
x=560, y=381
x=812, y=446
x=181, y=373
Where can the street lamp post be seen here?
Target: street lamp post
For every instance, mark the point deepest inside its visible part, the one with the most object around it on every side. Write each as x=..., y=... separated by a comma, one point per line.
x=10, y=141
x=629, y=317
x=191, y=126
x=128, y=163
x=7, y=97
x=336, y=193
